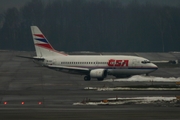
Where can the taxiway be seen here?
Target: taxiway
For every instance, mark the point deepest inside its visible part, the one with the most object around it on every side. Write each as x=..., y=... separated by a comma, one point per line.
x=28, y=91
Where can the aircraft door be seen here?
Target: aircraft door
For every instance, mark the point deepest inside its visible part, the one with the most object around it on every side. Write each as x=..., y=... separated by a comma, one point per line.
x=97, y=63
x=134, y=62
x=55, y=62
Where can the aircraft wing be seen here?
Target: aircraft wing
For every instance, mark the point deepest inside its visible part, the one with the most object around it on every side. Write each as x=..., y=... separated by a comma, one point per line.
x=75, y=70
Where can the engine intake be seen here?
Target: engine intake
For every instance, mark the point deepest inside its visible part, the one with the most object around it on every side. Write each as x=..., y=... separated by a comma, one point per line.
x=98, y=73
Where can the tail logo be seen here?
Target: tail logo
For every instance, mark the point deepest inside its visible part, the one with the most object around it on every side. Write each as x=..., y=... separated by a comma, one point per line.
x=42, y=41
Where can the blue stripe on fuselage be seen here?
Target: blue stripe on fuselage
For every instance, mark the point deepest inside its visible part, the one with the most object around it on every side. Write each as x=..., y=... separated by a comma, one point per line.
x=105, y=67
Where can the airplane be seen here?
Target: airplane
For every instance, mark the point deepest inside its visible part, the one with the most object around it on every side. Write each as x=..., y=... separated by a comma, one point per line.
x=91, y=66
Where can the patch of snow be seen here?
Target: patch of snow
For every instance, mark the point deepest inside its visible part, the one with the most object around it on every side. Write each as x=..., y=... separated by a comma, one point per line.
x=142, y=78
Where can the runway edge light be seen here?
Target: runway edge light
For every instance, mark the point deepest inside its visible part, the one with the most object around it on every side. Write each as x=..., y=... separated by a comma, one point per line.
x=178, y=97
x=40, y=103
x=5, y=103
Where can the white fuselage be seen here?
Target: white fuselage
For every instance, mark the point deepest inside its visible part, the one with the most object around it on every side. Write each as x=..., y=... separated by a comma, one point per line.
x=90, y=66
x=115, y=65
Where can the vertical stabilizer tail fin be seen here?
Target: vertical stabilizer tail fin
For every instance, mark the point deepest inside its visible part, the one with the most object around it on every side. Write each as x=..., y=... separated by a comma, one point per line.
x=42, y=45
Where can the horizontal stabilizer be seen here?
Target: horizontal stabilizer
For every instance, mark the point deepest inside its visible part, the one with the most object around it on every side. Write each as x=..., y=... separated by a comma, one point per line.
x=34, y=58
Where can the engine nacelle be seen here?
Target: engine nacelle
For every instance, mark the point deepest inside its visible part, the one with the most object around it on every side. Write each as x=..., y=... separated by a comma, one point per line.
x=98, y=73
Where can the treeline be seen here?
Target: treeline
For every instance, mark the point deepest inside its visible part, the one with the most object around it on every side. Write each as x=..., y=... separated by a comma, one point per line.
x=104, y=25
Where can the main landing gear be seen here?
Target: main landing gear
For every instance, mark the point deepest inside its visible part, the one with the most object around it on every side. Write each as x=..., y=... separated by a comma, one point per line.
x=87, y=78
x=147, y=74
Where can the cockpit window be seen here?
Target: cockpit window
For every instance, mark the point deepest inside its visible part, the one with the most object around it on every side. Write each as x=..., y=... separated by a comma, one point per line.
x=145, y=61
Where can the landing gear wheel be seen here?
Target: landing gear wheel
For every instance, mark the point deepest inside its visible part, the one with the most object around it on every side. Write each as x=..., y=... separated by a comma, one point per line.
x=87, y=78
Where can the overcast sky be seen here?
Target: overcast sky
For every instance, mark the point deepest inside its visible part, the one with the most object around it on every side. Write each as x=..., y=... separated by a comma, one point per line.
x=4, y=4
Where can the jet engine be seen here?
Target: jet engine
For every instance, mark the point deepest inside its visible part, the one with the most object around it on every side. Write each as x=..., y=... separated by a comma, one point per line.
x=98, y=73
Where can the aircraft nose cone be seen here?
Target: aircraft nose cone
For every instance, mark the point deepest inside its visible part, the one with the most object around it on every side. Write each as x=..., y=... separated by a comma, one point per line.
x=155, y=66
